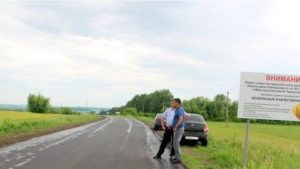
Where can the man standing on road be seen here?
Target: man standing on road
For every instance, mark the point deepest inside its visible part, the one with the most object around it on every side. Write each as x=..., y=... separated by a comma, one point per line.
x=168, y=115
x=178, y=129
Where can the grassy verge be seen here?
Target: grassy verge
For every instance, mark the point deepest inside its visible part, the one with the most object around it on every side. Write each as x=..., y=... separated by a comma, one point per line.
x=270, y=147
x=24, y=122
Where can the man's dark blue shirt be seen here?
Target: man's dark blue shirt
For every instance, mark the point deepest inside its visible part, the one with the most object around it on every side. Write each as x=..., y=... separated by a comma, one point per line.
x=178, y=112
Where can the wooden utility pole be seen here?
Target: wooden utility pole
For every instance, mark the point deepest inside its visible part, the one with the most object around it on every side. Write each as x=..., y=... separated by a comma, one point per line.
x=227, y=110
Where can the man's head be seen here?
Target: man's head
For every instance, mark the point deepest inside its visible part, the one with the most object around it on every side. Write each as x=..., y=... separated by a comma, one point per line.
x=176, y=103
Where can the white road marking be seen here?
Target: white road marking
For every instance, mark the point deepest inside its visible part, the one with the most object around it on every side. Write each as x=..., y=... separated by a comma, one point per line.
x=63, y=140
x=102, y=127
x=130, y=126
x=20, y=164
x=30, y=153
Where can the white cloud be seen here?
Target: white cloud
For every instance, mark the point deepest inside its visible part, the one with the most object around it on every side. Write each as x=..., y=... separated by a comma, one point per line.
x=110, y=54
x=40, y=59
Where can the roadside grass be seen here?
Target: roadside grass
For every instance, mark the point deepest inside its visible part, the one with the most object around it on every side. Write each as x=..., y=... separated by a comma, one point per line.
x=270, y=147
x=12, y=123
x=147, y=120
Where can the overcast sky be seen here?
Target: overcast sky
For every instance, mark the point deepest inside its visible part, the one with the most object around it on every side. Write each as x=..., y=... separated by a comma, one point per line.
x=106, y=52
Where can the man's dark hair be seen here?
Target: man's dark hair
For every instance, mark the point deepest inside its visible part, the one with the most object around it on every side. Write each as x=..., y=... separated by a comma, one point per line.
x=177, y=100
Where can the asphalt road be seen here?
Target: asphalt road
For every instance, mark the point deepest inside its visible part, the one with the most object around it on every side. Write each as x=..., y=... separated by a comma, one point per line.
x=113, y=143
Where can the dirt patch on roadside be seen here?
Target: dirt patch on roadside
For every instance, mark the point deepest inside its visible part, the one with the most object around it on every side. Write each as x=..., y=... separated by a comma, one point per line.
x=11, y=139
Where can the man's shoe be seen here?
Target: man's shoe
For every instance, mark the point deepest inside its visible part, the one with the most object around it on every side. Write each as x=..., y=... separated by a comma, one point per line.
x=157, y=157
x=172, y=157
x=175, y=161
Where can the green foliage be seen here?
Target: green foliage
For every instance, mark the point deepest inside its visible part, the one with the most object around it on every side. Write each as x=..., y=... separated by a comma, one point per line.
x=103, y=112
x=130, y=111
x=66, y=111
x=92, y=112
x=153, y=102
x=198, y=105
x=116, y=109
x=38, y=103
x=54, y=110
x=141, y=114
x=152, y=115
x=77, y=113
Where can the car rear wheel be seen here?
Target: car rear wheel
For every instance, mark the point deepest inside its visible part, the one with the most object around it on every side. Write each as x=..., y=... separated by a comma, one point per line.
x=204, y=142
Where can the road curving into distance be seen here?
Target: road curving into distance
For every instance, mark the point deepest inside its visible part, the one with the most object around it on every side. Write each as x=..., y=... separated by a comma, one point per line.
x=113, y=143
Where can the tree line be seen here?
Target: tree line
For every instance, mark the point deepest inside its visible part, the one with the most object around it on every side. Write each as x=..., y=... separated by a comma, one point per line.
x=155, y=102
x=211, y=109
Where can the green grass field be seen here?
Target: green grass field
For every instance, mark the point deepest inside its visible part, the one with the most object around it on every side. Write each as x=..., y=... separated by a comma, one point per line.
x=12, y=122
x=270, y=147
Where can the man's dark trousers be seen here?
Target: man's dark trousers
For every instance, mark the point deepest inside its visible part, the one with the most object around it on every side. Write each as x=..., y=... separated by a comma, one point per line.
x=166, y=138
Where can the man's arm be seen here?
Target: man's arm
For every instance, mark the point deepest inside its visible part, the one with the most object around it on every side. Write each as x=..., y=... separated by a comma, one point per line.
x=186, y=116
x=163, y=119
x=179, y=121
x=163, y=123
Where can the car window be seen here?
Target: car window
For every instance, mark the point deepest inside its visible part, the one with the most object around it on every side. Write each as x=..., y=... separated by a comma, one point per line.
x=195, y=118
x=158, y=115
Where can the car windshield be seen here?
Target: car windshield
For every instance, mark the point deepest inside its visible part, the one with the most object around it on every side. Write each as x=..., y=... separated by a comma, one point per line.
x=195, y=118
x=158, y=115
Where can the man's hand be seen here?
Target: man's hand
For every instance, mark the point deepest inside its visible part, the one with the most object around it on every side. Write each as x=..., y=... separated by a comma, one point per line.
x=175, y=129
x=163, y=127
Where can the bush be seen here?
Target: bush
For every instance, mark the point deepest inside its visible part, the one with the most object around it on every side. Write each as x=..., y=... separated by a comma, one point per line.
x=92, y=112
x=103, y=112
x=77, y=113
x=141, y=114
x=38, y=103
x=54, y=111
x=152, y=115
x=130, y=111
x=66, y=110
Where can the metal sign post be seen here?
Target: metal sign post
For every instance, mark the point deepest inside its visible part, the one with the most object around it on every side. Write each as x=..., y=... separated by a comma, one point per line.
x=246, y=143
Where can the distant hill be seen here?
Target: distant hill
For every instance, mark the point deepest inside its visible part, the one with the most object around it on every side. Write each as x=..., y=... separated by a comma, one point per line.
x=89, y=109
x=81, y=109
x=13, y=106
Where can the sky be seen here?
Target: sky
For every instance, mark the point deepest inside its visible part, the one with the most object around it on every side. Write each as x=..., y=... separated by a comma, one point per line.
x=104, y=53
